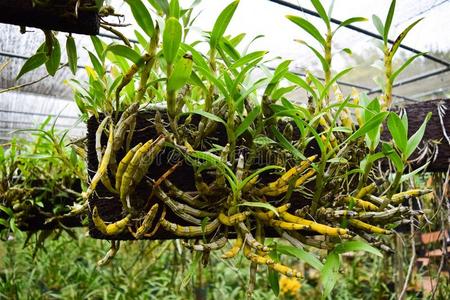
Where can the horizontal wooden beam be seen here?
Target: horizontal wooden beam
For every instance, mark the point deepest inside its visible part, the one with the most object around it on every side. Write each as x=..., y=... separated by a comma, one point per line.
x=51, y=17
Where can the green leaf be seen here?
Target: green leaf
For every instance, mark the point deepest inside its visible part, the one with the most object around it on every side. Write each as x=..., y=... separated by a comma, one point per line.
x=398, y=131
x=52, y=64
x=171, y=39
x=247, y=121
x=350, y=21
x=349, y=246
x=199, y=60
x=274, y=280
x=403, y=67
x=393, y=156
x=330, y=273
x=302, y=255
x=264, y=205
x=413, y=173
x=124, y=51
x=98, y=46
x=415, y=139
x=181, y=73
x=256, y=173
x=378, y=25
x=347, y=50
x=248, y=58
x=278, y=74
x=162, y=6
x=400, y=38
x=332, y=81
x=142, y=16
x=387, y=24
x=72, y=56
x=96, y=64
x=309, y=28
x=323, y=61
x=174, y=9
x=7, y=210
x=221, y=24
x=280, y=92
x=321, y=11
x=300, y=82
x=286, y=144
x=32, y=63
x=374, y=122
x=219, y=84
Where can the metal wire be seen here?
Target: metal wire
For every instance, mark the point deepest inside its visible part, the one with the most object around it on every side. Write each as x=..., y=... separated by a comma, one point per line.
x=37, y=114
x=19, y=56
x=414, y=79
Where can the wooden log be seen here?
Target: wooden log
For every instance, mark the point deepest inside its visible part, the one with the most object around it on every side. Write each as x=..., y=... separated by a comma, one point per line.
x=434, y=138
x=52, y=17
x=110, y=207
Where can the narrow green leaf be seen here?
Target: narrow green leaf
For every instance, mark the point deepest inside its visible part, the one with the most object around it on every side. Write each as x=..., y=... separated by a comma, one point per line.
x=247, y=121
x=256, y=173
x=308, y=27
x=323, y=61
x=349, y=246
x=98, y=46
x=72, y=56
x=274, y=280
x=278, y=74
x=161, y=6
x=398, y=131
x=415, y=139
x=7, y=210
x=52, y=64
x=198, y=58
x=403, y=67
x=174, y=9
x=347, y=50
x=332, y=81
x=387, y=24
x=302, y=255
x=330, y=273
x=301, y=83
x=171, y=39
x=413, y=173
x=401, y=37
x=32, y=63
x=124, y=51
x=286, y=144
x=280, y=92
x=378, y=25
x=264, y=205
x=393, y=156
x=219, y=84
x=237, y=39
x=247, y=59
x=221, y=24
x=321, y=11
x=142, y=16
x=374, y=122
x=96, y=64
x=181, y=73
x=350, y=21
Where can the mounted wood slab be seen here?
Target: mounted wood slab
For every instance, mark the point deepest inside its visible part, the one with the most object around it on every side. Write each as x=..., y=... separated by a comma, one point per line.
x=110, y=207
x=54, y=16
